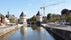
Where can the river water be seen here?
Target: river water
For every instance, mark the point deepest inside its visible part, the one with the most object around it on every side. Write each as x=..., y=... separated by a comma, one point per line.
x=28, y=33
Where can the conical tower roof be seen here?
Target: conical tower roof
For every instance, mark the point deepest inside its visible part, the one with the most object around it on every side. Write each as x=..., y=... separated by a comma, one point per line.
x=22, y=14
x=38, y=13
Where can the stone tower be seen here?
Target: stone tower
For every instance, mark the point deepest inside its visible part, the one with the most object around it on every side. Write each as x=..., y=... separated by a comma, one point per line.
x=39, y=17
x=23, y=18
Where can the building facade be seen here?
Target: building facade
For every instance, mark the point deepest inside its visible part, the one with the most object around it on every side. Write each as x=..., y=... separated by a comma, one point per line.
x=23, y=18
x=11, y=18
x=39, y=17
x=2, y=19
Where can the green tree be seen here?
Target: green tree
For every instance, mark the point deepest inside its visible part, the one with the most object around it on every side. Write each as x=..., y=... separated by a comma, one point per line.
x=66, y=14
x=32, y=19
x=48, y=16
x=54, y=19
x=11, y=20
x=68, y=18
x=64, y=11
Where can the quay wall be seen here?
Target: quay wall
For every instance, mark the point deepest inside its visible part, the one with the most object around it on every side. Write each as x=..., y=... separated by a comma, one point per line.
x=7, y=29
x=60, y=34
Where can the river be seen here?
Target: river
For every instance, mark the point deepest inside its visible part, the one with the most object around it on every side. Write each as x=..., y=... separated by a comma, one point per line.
x=28, y=33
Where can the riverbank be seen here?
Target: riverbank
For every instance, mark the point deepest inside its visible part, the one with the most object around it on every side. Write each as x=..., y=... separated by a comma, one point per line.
x=4, y=30
x=60, y=31
x=56, y=36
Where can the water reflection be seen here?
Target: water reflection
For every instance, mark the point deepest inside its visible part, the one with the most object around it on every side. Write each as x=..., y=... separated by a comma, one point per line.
x=23, y=30
x=34, y=27
x=38, y=28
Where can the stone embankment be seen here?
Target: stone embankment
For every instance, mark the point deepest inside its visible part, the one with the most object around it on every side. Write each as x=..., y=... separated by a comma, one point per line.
x=4, y=30
x=61, y=31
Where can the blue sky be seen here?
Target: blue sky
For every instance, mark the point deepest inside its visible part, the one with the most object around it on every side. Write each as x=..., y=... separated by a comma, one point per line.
x=30, y=7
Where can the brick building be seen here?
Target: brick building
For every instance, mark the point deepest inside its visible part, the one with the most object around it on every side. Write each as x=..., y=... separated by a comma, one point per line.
x=2, y=19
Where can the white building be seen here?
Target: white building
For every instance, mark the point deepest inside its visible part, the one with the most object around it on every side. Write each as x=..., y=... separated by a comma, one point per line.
x=7, y=21
x=23, y=18
x=39, y=17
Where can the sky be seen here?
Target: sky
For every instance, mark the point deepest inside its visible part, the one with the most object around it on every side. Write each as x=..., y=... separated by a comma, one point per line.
x=31, y=7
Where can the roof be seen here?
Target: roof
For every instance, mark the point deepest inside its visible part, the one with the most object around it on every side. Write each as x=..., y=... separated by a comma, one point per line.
x=1, y=15
x=10, y=16
x=38, y=13
x=22, y=14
